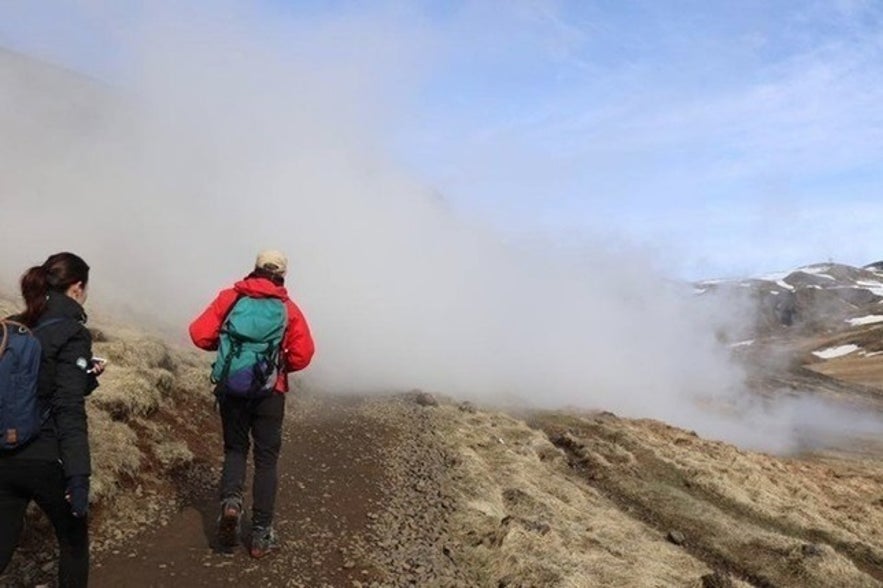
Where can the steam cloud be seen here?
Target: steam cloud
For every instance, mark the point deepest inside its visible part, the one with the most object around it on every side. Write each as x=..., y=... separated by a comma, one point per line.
x=229, y=134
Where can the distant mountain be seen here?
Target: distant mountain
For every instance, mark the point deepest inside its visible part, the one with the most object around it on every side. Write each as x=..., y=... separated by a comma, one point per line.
x=825, y=318
x=818, y=298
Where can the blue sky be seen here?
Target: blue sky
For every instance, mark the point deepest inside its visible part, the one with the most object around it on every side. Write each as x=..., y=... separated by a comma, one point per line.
x=730, y=137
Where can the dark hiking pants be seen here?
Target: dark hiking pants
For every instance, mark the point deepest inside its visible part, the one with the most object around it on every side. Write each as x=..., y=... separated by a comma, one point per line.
x=43, y=482
x=261, y=420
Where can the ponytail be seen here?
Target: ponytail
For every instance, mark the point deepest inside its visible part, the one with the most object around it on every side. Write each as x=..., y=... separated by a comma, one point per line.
x=34, y=290
x=57, y=274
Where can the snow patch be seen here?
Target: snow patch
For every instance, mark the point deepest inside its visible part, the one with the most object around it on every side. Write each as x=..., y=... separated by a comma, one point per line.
x=865, y=320
x=817, y=270
x=779, y=279
x=874, y=287
x=839, y=351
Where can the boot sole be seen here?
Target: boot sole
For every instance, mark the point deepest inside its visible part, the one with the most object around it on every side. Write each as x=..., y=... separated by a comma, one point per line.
x=263, y=548
x=228, y=528
x=259, y=553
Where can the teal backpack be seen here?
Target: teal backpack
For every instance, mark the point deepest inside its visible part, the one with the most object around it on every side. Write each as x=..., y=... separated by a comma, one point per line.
x=249, y=352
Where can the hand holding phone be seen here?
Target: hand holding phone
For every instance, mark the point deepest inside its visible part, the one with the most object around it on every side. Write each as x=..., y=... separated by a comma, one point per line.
x=98, y=365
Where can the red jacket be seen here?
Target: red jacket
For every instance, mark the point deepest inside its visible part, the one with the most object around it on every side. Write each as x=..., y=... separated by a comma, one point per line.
x=297, y=346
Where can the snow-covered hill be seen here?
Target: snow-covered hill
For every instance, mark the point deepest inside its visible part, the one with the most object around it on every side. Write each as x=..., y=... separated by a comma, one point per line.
x=818, y=298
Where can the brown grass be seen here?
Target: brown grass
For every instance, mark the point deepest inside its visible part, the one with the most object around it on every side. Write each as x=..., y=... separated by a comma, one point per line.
x=115, y=456
x=867, y=371
x=526, y=521
x=751, y=514
x=592, y=500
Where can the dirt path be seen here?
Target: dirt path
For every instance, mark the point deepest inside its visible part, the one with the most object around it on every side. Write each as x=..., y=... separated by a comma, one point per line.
x=332, y=476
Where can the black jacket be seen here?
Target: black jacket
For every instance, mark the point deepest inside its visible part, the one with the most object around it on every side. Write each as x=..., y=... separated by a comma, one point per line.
x=62, y=388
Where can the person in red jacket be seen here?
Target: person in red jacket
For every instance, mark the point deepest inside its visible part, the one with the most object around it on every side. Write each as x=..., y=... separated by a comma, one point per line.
x=260, y=418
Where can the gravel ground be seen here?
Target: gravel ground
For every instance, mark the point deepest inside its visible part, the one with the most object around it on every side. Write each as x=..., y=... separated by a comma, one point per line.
x=362, y=502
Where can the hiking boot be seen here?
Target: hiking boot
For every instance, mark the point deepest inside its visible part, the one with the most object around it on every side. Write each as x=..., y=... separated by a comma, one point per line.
x=228, y=522
x=263, y=540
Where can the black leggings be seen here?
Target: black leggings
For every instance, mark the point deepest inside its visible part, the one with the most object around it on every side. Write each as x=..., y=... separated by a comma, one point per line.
x=43, y=482
x=262, y=421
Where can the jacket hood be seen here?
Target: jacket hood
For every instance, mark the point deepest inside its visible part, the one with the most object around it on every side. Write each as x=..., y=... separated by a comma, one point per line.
x=260, y=288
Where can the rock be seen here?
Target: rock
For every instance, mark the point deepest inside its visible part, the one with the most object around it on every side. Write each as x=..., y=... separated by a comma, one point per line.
x=811, y=550
x=717, y=580
x=467, y=407
x=540, y=527
x=676, y=537
x=425, y=399
x=570, y=443
x=448, y=552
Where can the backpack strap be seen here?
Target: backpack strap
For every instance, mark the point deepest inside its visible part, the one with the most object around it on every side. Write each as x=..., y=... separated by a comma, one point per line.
x=235, y=351
x=23, y=328
x=47, y=322
x=4, y=340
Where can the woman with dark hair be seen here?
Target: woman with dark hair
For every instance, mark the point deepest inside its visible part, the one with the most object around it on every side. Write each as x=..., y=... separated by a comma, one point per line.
x=53, y=469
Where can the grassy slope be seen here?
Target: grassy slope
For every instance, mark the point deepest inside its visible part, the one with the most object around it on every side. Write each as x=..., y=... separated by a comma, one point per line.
x=591, y=501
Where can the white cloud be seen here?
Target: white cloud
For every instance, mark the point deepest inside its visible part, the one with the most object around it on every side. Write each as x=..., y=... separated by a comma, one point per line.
x=769, y=119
